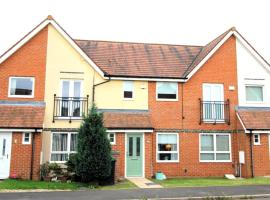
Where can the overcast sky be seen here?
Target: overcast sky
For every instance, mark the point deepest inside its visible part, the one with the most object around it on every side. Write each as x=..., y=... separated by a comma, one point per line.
x=168, y=21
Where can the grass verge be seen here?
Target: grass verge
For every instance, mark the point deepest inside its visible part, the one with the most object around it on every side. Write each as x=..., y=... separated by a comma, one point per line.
x=32, y=185
x=205, y=182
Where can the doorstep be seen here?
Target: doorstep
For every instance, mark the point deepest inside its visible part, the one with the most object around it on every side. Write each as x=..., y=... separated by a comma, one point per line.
x=144, y=183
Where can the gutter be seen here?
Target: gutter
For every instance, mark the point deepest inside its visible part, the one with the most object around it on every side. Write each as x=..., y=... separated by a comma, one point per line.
x=32, y=155
x=94, y=88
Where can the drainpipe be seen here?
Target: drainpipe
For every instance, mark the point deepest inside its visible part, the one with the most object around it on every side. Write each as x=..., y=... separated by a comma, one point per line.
x=32, y=155
x=251, y=154
x=94, y=86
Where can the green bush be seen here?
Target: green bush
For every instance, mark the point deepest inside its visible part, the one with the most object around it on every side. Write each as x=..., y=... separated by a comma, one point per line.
x=93, y=160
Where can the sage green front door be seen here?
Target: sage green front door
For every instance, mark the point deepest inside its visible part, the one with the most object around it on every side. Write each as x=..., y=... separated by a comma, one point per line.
x=134, y=155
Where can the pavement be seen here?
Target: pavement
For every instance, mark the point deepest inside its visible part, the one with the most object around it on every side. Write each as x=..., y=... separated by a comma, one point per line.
x=170, y=193
x=144, y=183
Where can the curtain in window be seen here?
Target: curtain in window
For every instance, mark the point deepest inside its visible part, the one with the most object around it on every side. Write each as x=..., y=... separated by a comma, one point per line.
x=59, y=142
x=254, y=93
x=13, y=86
x=167, y=88
x=73, y=142
x=207, y=143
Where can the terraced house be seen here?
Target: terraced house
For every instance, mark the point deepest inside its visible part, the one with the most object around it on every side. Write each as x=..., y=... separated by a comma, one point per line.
x=183, y=110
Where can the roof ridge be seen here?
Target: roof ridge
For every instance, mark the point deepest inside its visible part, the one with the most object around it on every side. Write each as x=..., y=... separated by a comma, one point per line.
x=139, y=43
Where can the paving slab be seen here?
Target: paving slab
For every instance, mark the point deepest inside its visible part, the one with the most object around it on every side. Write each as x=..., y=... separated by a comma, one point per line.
x=144, y=183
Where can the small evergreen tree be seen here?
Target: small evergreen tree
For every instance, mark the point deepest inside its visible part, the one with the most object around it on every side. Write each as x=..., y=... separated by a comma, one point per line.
x=93, y=160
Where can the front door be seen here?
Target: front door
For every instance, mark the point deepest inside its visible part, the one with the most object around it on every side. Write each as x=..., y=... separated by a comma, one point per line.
x=5, y=154
x=134, y=155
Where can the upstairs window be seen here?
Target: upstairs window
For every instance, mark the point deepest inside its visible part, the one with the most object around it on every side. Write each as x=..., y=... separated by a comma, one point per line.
x=167, y=91
x=128, y=89
x=21, y=87
x=254, y=93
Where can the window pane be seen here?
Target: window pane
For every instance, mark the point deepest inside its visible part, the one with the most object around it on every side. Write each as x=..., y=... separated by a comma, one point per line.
x=59, y=142
x=21, y=86
x=166, y=90
x=254, y=93
x=223, y=156
x=77, y=89
x=167, y=156
x=65, y=89
x=167, y=142
x=138, y=146
x=130, y=146
x=223, y=143
x=128, y=94
x=128, y=85
x=207, y=143
x=59, y=157
x=207, y=156
x=73, y=142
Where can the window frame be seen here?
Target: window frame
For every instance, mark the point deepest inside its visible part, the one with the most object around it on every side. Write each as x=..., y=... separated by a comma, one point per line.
x=158, y=152
x=259, y=139
x=21, y=96
x=125, y=98
x=62, y=152
x=215, y=152
x=254, y=85
x=114, y=138
x=23, y=138
x=165, y=99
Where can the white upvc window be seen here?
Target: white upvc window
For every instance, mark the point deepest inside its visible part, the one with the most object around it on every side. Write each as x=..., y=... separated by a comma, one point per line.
x=26, y=139
x=128, y=90
x=71, y=93
x=62, y=145
x=167, y=91
x=167, y=147
x=21, y=87
x=257, y=139
x=254, y=93
x=215, y=147
x=213, y=102
x=112, y=138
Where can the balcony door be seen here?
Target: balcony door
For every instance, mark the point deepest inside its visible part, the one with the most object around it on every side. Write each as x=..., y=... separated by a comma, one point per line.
x=213, y=102
x=71, y=91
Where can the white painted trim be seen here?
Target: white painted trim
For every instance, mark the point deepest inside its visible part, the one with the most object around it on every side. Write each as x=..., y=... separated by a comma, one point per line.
x=243, y=41
x=178, y=148
x=30, y=138
x=209, y=55
x=259, y=139
x=23, y=41
x=160, y=99
x=254, y=53
x=215, y=152
x=146, y=79
x=241, y=122
x=260, y=132
x=21, y=96
x=143, y=153
x=130, y=130
x=19, y=130
x=62, y=32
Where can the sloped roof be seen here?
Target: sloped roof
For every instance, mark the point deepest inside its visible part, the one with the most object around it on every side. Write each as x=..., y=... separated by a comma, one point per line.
x=127, y=120
x=140, y=59
x=255, y=118
x=21, y=116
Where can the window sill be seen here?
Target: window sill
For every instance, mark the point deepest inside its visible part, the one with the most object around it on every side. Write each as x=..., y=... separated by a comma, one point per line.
x=166, y=99
x=215, y=161
x=167, y=161
x=68, y=118
x=21, y=96
x=213, y=121
x=128, y=99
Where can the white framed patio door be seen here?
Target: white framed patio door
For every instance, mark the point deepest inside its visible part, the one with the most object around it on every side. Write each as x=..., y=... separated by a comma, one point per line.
x=213, y=98
x=5, y=154
x=71, y=91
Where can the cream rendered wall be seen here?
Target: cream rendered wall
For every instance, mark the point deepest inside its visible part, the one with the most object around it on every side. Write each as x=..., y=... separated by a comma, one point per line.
x=64, y=62
x=251, y=71
x=110, y=95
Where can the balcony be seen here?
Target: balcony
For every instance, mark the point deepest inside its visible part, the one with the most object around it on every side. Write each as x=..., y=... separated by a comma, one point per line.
x=69, y=108
x=214, y=112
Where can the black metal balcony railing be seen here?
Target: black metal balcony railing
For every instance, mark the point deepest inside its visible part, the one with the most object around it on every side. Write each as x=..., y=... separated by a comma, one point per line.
x=215, y=111
x=71, y=108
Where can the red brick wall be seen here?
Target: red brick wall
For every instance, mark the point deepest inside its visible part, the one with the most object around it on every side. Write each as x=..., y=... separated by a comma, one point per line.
x=119, y=149
x=220, y=68
x=21, y=154
x=29, y=60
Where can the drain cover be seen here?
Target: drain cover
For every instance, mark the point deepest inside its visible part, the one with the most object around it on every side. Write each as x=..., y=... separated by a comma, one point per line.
x=151, y=184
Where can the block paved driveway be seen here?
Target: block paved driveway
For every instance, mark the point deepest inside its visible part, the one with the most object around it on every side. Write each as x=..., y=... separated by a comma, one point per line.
x=141, y=193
